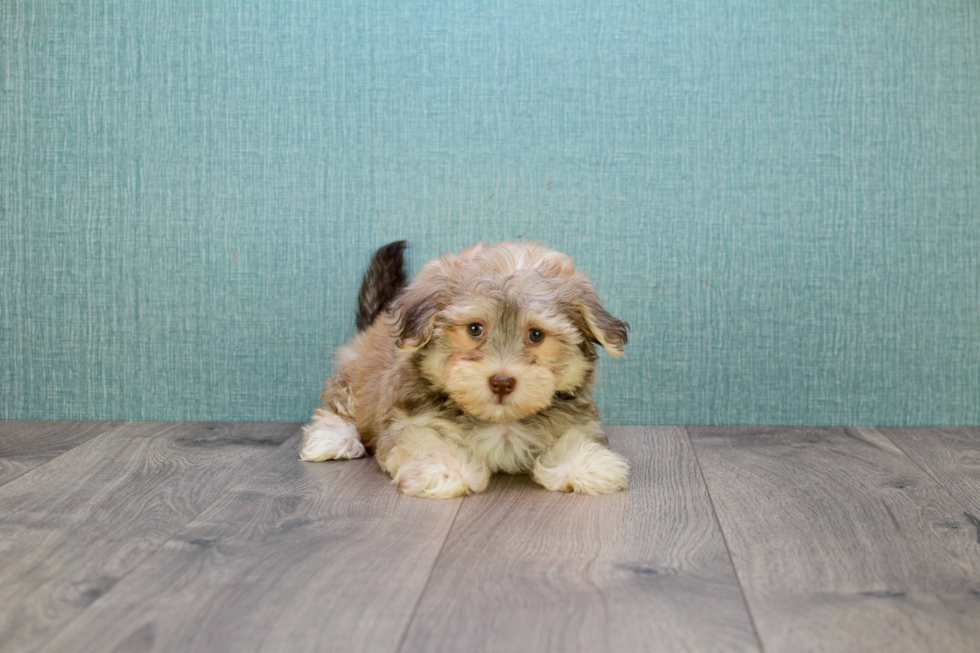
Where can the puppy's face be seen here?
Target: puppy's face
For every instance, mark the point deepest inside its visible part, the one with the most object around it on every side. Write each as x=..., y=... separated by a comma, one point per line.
x=502, y=360
x=502, y=329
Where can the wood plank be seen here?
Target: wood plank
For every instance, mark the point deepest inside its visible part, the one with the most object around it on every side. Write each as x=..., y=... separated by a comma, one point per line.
x=950, y=454
x=26, y=444
x=525, y=569
x=70, y=529
x=297, y=557
x=841, y=542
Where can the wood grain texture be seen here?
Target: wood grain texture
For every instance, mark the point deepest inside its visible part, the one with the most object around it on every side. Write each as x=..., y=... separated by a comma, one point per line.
x=951, y=455
x=297, y=557
x=525, y=569
x=25, y=444
x=70, y=529
x=841, y=542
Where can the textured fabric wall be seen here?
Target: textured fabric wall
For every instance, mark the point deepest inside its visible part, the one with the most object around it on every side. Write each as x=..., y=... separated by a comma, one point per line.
x=782, y=198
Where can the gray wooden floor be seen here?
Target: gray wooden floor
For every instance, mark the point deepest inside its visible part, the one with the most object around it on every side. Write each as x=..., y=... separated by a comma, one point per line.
x=137, y=536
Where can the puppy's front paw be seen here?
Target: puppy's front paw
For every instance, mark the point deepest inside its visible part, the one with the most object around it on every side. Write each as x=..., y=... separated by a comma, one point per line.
x=590, y=469
x=331, y=439
x=442, y=475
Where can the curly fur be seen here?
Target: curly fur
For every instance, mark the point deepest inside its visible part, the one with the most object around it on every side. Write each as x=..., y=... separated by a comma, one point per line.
x=413, y=385
x=384, y=279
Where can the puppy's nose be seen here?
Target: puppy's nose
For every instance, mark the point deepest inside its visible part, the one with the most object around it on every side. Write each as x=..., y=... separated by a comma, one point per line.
x=502, y=384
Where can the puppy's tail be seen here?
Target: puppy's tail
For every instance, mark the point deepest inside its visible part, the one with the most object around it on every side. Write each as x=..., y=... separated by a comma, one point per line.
x=383, y=280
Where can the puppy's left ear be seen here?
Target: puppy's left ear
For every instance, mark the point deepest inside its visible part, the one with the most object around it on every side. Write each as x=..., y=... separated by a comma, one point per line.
x=414, y=310
x=597, y=324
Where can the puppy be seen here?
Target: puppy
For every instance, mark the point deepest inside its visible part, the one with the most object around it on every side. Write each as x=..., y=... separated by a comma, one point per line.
x=484, y=363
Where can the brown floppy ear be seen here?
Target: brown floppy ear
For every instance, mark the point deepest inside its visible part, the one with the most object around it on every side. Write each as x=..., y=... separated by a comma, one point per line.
x=597, y=325
x=414, y=310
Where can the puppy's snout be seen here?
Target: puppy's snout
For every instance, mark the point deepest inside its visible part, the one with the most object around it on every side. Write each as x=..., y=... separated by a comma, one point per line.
x=502, y=384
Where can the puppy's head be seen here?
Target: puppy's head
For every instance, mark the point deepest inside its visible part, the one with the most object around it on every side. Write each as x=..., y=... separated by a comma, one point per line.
x=502, y=329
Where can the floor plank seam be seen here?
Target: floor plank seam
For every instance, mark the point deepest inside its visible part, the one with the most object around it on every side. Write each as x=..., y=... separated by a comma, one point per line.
x=724, y=539
x=66, y=451
x=428, y=578
x=970, y=517
x=43, y=646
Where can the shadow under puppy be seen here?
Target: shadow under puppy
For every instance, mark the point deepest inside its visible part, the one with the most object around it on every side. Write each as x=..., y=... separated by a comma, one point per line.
x=484, y=363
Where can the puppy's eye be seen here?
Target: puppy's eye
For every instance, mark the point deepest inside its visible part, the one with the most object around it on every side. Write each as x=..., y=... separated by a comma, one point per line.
x=535, y=335
x=475, y=330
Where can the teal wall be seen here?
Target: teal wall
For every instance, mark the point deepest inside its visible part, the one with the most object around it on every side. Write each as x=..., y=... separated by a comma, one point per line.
x=782, y=198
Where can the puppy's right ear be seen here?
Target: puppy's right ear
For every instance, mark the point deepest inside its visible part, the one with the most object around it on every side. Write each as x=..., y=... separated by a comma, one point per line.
x=414, y=310
x=596, y=323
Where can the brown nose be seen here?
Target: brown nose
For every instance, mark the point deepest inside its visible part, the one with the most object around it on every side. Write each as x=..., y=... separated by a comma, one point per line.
x=502, y=385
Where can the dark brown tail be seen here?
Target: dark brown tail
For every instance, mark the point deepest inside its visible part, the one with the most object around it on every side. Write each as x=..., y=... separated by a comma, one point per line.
x=383, y=280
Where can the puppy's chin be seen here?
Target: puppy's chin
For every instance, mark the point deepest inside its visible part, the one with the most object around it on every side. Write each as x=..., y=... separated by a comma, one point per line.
x=499, y=412
x=467, y=385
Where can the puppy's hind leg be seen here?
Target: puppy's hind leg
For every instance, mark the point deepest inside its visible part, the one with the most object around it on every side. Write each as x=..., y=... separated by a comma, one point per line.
x=330, y=437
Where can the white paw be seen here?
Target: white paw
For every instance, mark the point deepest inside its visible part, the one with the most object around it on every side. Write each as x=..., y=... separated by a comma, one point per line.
x=442, y=475
x=589, y=469
x=330, y=438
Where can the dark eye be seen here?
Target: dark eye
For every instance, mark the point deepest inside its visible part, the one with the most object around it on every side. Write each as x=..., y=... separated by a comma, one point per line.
x=535, y=335
x=475, y=330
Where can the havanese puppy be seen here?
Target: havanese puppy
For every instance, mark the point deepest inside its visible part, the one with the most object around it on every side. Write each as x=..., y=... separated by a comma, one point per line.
x=483, y=363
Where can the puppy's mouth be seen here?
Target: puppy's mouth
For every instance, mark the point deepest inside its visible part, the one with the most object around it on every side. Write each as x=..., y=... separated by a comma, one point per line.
x=500, y=409
x=479, y=400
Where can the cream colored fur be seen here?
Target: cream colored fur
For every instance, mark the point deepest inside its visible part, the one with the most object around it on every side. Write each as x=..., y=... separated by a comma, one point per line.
x=413, y=388
x=330, y=437
x=579, y=463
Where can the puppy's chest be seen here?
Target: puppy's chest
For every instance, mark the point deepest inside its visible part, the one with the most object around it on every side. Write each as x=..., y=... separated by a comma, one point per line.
x=511, y=447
